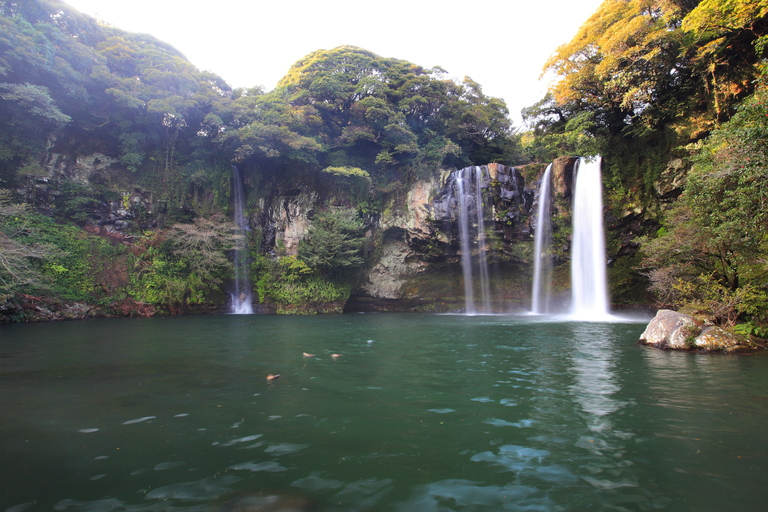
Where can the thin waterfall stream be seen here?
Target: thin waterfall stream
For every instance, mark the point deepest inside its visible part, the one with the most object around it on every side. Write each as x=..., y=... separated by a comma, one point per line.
x=542, y=264
x=241, y=296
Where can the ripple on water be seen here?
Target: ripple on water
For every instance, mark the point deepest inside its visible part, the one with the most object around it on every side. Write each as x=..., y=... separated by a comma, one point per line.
x=441, y=411
x=466, y=493
x=314, y=483
x=21, y=507
x=105, y=505
x=268, y=466
x=165, y=466
x=496, y=422
x=281, y=449
x=208, y=488
x=363, y=494
x=245, y=439
x=139, y=420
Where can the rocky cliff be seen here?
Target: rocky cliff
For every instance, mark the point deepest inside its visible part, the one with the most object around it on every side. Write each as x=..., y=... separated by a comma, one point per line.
x=414, y=247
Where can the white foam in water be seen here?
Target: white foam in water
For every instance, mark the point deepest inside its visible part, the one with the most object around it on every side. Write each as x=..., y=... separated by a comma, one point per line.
x=88, y=430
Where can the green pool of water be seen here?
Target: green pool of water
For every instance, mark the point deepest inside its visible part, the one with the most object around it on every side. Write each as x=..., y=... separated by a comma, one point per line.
x=419, y=413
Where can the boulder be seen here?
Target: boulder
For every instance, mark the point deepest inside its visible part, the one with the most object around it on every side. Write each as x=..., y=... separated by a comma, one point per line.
x=670, y=329
x=674, y=330
x=714, y=339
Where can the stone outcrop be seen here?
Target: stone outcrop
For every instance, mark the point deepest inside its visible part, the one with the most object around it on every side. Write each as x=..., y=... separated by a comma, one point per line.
x=673, y=330
x=671, y=182
x=291, y=215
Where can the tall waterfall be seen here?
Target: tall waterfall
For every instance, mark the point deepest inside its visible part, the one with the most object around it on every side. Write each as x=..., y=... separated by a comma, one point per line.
x=589, y=283
x=241, y=296
x=472, y=225
x=542, y=264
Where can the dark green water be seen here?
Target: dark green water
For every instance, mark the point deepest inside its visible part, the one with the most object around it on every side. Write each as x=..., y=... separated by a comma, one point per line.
x=420, y=413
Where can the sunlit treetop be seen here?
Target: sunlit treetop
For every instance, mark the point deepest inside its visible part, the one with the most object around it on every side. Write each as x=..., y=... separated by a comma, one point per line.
x=621, y=56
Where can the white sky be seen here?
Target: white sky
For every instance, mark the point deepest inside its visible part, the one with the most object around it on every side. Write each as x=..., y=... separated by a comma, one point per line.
x=501, y=44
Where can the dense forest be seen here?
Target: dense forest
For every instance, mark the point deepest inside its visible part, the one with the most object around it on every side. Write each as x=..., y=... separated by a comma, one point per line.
x=664, y=90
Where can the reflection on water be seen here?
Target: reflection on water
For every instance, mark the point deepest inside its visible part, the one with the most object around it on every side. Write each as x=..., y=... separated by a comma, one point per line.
x=593, y=365
x=420, y=413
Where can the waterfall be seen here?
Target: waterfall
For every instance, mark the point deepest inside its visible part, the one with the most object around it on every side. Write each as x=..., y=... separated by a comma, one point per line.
x=241, y=296
x=482, y=254
x=469, y=191
x=589, y=283
x=542, y=264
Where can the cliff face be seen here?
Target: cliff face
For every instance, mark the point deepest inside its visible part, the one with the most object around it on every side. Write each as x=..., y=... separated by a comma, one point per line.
x=414, y=242
x=420, y=263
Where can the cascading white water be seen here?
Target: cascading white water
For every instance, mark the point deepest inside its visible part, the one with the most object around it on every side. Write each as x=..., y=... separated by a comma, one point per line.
x=469, y=191
x=542, y=264
x=589, y=283
x=482, y=250
x=241, y=296
x=466, y=256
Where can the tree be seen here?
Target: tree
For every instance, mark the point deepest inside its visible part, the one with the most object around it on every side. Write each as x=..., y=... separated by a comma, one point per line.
x=179, y=267
x=730, y=36
x=628, y=62
x=715, y=235
x=334, y=242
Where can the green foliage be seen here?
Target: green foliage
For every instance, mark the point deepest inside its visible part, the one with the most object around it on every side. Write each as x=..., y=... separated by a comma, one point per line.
x=131, y=152
x=179, y=267
x=73, y=202
x=641, y=80
x=713, y=247
x=348, y=107
x=750, y=329
x=352, y=183
x=20, y=254
x=729, y=39
x=61, y=259
x=333, y=244
x=289, y=281
x=723, y=304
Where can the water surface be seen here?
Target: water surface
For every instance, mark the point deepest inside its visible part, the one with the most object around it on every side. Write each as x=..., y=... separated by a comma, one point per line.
x=419, y=413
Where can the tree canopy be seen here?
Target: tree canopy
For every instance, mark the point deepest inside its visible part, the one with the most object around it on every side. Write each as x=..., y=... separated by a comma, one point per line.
x=349, y=107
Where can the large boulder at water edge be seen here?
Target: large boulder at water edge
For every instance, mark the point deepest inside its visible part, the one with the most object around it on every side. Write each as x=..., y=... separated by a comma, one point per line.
x=670, y=329
x=673, y=330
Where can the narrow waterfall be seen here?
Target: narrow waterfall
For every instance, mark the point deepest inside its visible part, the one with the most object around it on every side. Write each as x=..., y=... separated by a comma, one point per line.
x=241, y=296
x=470, y=212
x=589, y=283
x=482, y=248
x=542, y=263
